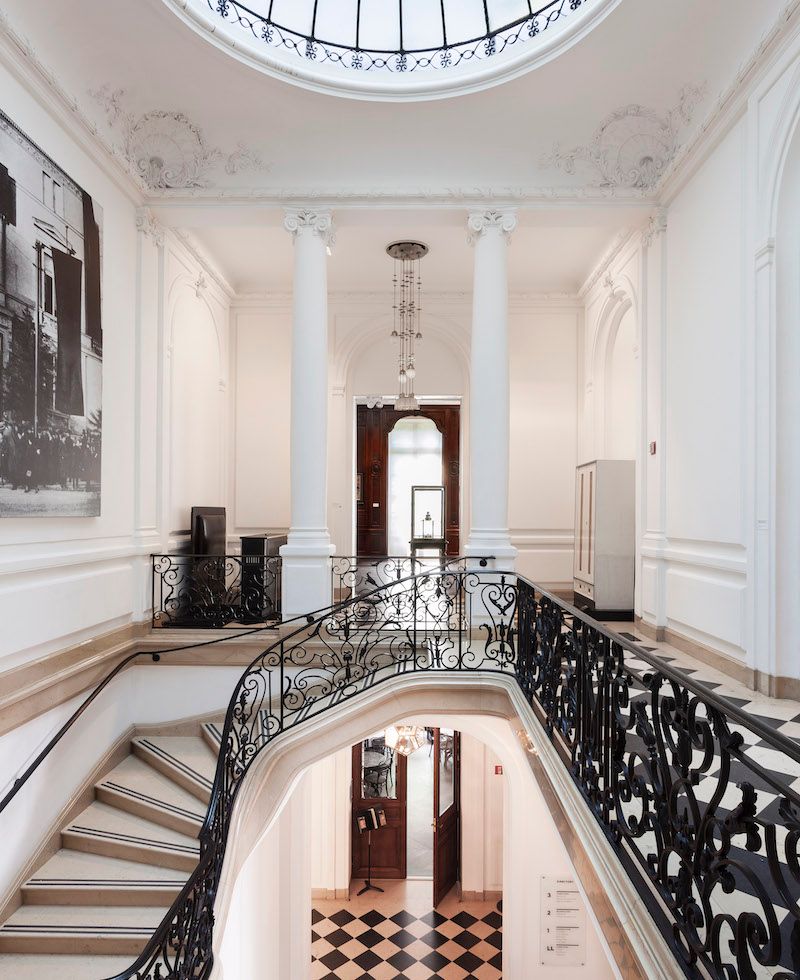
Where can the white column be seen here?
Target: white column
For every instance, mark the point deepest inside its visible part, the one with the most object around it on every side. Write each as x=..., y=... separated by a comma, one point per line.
x=307, y=554
x=490, y=231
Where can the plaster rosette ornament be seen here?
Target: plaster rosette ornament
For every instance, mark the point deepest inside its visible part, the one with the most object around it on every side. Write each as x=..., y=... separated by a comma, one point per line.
x=166, y=150
x=632, y=147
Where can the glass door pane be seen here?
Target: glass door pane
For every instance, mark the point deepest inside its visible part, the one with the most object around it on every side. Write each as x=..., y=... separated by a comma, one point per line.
x=415, y=457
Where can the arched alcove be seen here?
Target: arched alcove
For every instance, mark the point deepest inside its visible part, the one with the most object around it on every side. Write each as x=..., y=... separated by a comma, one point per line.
x=196, y=421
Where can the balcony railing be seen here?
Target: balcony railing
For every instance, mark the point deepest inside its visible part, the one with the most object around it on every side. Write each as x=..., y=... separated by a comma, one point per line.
x=354, y=575
x=678, y=778
x=213, y=592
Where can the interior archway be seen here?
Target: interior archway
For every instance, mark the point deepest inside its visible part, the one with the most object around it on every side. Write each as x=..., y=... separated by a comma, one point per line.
x=620, y=386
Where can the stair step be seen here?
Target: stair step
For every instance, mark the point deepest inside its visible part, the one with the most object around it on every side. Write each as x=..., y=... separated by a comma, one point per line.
x=30, y=966
x=80, y=878
x=185, y=759
x=212, y=734
x=79, y=930
x=138, y=788
x=106, y=830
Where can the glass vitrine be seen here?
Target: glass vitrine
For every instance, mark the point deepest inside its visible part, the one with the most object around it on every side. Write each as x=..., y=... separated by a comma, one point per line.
x=427, y=518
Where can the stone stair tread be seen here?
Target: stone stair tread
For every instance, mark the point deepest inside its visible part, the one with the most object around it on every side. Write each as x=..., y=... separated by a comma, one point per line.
x=68, y=865
x=88, y=919
x=135, y=777
x=56, y=966
x=108, y=822
x=212, y=732
x=188, y=753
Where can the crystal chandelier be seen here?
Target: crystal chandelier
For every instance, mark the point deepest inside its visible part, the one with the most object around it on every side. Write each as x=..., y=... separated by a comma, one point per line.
x=407, y=311
x=404, y=739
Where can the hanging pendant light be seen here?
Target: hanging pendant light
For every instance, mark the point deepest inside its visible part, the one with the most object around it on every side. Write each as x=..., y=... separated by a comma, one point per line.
x=404, y=739
x=407, y=312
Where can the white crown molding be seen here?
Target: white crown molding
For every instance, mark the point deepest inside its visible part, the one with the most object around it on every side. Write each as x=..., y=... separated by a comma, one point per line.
x=729, y=106
x=206, y=263
x=439, y=303
x=618, y=245
x=20, y=57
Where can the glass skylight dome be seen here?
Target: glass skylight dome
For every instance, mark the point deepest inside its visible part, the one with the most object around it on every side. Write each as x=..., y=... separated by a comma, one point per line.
x=395, y=48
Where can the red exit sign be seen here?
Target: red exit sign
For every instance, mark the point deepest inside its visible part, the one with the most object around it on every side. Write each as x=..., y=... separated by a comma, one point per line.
x=498, y=770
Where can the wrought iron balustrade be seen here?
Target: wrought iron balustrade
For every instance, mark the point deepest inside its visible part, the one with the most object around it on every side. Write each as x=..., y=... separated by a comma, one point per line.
x=707, y=831
x=215, y=591
x=353, y=575
x=447, y=48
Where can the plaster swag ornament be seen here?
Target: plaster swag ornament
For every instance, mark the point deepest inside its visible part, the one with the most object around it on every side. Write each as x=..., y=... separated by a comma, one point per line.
x=166, y=150
x=632, y=147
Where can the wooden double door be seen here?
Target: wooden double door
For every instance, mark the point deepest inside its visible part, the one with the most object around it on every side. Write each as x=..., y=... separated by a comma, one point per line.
x=380, y=780
x=373, y=426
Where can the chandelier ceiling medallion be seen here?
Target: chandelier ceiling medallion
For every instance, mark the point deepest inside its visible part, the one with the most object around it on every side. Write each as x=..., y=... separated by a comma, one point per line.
x=407, y=306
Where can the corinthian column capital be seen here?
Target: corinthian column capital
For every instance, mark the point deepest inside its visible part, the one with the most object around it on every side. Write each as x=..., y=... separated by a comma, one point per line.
x=318, y=221
x=481, y=220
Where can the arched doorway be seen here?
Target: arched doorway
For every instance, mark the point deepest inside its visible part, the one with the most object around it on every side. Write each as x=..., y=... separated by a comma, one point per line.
x=416, y=460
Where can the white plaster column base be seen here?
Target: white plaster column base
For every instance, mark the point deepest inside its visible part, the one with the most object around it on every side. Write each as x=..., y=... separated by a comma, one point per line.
x=491, y=544
x=305, y=573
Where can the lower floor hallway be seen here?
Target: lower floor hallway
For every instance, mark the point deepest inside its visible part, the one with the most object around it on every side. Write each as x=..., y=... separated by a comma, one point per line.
x=397, y=934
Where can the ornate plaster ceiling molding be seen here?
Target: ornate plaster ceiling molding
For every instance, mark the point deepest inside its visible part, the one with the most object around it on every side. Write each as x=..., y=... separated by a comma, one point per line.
x=618, y=244
x=632, y=147
x=166, y=150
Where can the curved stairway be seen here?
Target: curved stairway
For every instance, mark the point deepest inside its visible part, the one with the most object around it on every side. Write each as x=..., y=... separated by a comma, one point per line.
x=89, y=909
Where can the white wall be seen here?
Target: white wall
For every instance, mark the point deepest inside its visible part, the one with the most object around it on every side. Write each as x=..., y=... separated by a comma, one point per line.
x=544, y=371
x=81, y=570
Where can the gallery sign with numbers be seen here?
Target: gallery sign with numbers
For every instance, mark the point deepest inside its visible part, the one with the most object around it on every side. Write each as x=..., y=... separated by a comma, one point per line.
x=563, y=923
x=51, y=337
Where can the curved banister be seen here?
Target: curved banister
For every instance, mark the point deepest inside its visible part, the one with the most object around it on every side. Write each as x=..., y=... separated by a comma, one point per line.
x=559, y=657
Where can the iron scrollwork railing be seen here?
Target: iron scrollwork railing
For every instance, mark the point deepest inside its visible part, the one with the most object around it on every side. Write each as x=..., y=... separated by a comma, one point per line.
x=212, y=591
x=706, y=829
x=450, y=49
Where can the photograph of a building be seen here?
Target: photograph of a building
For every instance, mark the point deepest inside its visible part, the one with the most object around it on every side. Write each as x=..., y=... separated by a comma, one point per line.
x=51, y=340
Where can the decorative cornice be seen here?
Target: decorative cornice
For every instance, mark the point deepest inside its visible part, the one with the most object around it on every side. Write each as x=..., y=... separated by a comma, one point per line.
x=149, y=226
x=616, y=247
x=656, y=225
x=206, y=264
x=679, y=166
x=318, y=221
x=480, y=221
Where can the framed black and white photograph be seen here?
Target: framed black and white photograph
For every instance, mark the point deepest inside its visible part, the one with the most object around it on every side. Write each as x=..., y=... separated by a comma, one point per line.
x=51, y=339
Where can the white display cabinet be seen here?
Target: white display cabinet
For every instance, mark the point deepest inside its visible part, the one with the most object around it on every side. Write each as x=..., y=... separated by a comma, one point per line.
x=605, y=537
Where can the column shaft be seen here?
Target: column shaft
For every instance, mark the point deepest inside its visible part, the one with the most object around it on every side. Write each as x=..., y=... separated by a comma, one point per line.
x=306, y=556
x=489, y=389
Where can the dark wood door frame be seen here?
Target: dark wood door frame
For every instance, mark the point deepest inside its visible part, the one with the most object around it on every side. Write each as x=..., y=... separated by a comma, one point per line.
x=446, y=826
x=388, y=843
x=373, y=426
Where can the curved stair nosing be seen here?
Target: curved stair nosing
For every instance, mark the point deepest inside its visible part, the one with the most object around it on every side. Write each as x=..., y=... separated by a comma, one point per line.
x=130, y=848
x=61, y=891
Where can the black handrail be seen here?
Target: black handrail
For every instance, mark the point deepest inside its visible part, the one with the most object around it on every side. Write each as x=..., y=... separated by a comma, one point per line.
x=155, y=655
x=190, y=918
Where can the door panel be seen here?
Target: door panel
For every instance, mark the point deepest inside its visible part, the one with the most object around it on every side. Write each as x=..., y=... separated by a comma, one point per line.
x=446, y=811
x=380, y=779
x=373, y=426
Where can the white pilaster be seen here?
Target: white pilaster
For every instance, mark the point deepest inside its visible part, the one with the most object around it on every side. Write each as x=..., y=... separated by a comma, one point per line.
x=307, y=554
x=490, y=231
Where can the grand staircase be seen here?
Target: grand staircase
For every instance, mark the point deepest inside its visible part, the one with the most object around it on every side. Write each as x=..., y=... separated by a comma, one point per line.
x=89, y=909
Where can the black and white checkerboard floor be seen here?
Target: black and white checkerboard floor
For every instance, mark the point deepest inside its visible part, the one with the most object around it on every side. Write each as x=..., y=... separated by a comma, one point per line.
x=781, y=716
x=356, y=944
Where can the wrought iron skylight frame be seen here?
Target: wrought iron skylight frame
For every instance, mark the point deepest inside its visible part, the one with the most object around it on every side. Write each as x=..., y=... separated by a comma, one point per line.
x=447, y=55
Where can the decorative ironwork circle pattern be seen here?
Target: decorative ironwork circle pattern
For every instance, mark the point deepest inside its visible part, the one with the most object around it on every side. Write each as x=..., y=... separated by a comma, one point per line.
x=451, y=41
